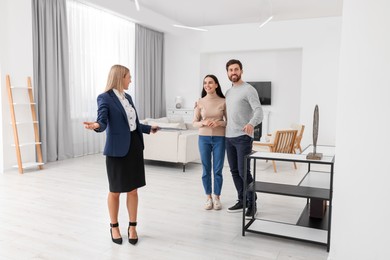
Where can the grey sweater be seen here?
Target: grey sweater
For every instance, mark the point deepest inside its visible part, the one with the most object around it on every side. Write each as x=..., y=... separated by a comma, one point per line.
x=242, y=107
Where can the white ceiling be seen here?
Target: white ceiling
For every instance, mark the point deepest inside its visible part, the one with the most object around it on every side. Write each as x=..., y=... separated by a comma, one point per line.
x=199, y=13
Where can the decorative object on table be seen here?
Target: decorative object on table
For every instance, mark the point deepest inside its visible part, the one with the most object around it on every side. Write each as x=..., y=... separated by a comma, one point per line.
x=317, y=208
x=178, y=102
x=314, y=155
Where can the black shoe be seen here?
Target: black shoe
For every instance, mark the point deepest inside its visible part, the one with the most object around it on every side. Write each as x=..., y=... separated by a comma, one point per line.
x=132, y=241
x=236, y=208
x=115, y=240
x=251, y=212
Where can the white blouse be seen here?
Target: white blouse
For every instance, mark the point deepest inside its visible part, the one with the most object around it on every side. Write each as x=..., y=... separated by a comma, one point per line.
x=130, y=111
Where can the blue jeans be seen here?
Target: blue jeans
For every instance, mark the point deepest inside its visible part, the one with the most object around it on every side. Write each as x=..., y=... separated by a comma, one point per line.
x=236, y=149
x=212, y=147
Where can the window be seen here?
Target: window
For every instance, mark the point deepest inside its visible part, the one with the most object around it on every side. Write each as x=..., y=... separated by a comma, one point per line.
x=97, y=40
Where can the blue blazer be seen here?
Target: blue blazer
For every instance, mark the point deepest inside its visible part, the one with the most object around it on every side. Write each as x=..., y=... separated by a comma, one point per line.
x=112, y=117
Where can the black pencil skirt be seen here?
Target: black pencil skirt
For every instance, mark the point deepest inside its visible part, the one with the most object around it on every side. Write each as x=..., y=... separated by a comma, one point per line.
x=127, y=173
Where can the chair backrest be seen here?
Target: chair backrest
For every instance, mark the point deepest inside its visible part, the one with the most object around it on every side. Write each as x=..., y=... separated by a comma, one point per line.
x=298, y=139
x=284, y=141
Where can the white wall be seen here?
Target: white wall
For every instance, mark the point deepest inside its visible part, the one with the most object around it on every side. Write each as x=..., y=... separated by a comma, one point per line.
x=281, y=67
x=361, y=208
x=2, y=58
x=16, y=60
x=319, y=40
x=182, y=68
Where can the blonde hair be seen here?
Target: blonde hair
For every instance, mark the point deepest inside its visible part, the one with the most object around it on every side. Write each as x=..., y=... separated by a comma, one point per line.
x=115, y=78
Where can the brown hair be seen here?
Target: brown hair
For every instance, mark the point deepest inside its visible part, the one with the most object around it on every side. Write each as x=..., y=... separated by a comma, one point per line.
x=115, y=78
x=233, y=61
x=217, y=90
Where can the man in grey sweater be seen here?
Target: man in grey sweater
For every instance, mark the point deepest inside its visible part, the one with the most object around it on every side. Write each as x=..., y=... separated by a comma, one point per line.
x=244, y=112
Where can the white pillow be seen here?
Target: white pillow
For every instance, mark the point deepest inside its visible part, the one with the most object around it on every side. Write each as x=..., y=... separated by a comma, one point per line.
x=179, y=120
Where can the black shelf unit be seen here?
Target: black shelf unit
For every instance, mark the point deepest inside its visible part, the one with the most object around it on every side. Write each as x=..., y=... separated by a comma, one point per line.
x=291, y=190
x=311, y=187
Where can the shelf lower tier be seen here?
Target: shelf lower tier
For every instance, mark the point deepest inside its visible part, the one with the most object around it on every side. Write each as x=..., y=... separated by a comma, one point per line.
x=291, y=190
x=29, y=165
x=26, y=144
x=288, y=231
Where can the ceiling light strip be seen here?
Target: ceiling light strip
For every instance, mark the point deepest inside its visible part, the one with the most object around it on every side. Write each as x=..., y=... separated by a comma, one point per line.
x=136, y=5
x=266, y=21
x=189, y=27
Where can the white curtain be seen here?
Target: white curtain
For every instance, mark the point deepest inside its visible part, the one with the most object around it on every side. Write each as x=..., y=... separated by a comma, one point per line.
x=97, y=40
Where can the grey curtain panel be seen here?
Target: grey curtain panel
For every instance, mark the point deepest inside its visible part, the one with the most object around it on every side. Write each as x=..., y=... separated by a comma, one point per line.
x=149, y=72
x=51, y=78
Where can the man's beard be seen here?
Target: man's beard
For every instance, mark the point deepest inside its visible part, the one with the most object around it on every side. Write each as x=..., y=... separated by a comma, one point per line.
x=236, y=79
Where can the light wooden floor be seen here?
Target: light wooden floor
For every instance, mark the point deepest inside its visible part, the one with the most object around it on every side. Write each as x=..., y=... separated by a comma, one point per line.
x=60, y=213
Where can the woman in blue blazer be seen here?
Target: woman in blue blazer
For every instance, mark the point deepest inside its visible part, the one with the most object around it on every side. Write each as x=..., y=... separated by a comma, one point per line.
x=123, y=150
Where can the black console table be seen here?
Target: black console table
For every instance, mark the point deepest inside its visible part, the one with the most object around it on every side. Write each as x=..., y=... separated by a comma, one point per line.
x=314, y=223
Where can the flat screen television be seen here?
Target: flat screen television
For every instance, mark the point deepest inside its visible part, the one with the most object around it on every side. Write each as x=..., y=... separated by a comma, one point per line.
x=263, y=90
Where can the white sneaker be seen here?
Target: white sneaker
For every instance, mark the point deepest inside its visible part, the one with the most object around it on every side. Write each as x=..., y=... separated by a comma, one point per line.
x=209, y=204
x=217, y=204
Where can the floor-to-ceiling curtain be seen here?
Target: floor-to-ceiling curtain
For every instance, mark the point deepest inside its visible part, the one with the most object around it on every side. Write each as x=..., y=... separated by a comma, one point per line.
x=149, y=71
x=97, y=40
x=51, y=78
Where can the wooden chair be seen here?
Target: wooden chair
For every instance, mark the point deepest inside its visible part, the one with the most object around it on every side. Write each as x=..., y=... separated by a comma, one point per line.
x=283, y=142
x=298, y=139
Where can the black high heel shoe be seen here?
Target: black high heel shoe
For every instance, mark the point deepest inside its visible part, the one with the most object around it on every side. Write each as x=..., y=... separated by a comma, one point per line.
x=115, y=240
x=132, y=241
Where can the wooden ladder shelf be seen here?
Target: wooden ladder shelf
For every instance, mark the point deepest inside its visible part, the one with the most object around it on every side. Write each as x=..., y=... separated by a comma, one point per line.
x=34, y=122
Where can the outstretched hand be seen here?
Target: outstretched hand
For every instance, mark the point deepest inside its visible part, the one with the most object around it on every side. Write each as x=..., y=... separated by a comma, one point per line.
x=91, y=125
x=154, y=129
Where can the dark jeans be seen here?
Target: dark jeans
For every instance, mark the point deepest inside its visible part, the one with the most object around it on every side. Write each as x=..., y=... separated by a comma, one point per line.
x=236, y=149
